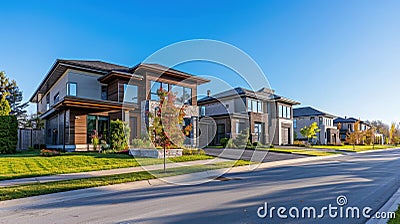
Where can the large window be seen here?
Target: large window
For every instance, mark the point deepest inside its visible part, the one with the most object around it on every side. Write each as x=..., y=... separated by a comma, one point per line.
x=255, y=106
x=100, y=124
x=285, y=111
x=130, y=93
x=71, y=89
x=183, y=94
x=155, y=86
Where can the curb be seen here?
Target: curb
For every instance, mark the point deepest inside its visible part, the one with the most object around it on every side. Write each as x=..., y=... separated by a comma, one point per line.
x=390, y=206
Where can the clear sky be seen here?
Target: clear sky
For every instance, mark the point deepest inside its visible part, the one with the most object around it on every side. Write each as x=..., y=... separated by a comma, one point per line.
x=338, y=56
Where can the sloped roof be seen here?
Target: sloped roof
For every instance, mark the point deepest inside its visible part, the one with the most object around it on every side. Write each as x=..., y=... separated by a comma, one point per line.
x=309, y=111
x=95, y=64
x=264, y=94
x=345, y=120
x=102, y=69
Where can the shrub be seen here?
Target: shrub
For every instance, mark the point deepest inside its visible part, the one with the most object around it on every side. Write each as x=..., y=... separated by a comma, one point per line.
x=230, y=144
x=119, y=135
x=48, y=153
x=257, y=144
x=141, y=143
x=8, y=134
x=187, y=152
x=242, y=139
x=299, y=143
x=224, y=142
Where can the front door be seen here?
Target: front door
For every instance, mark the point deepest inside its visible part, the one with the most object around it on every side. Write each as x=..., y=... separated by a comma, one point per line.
x=220, y=133
x=133, y=125
x=285, y=136
x=258, y=130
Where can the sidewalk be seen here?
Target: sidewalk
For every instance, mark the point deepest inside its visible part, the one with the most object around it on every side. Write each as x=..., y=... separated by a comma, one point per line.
x=99, y=173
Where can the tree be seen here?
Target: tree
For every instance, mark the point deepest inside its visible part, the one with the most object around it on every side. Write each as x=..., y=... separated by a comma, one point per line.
x=394, y=134
x=34, y=121
x=370, y=137
x=120, y=133
x=10, y=89
x=4, y=106
x=241, y=140
x=380, y=127
x=310, y=132
x=166, y=129
x=356, y=136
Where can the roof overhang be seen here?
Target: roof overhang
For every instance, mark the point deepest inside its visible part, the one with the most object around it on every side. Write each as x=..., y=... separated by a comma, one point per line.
x=162, y=70
x=89, y=104
x=56, y=71
x=119, y=75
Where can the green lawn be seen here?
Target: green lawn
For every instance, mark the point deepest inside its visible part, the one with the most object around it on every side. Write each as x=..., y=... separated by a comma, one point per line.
x=396, y=219
x=358, y=148
x=30, y=164
x=8, y=193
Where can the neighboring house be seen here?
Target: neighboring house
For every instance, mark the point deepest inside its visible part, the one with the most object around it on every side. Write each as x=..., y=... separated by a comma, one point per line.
x=267, y=116
x=77, y=97
x=305, y=116
x=347, y=126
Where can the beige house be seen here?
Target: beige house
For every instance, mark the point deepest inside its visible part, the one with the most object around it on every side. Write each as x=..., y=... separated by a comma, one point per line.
x=77, y=97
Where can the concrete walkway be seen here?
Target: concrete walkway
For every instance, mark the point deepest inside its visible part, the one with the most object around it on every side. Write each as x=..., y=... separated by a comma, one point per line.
x=99, y=173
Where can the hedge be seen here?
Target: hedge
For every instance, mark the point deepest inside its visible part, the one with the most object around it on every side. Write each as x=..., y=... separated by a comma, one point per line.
x=8, y=134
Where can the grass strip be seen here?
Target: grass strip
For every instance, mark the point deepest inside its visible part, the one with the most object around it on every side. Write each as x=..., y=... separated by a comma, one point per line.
x=21, y=191
x=30, y=164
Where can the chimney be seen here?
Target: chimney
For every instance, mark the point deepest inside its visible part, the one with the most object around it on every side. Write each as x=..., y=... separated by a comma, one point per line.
x=345, y=117
x=208, y=92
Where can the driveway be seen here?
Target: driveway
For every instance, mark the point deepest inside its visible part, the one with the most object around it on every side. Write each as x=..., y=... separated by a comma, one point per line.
x=364, y=179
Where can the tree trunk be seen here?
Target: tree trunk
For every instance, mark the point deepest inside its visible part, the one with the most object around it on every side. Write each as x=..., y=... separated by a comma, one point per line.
x=165, y=168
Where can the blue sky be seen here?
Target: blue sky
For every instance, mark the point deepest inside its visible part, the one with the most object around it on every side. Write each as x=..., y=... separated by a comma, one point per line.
x=339, y=56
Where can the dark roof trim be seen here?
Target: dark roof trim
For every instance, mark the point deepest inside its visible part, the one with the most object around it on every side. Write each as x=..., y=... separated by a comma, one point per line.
x=173, y=72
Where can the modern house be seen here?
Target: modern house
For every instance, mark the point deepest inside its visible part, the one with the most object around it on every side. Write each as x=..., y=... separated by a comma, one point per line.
x=266, y=115
x=347, y=125
x=77, y=97
x=305, y=116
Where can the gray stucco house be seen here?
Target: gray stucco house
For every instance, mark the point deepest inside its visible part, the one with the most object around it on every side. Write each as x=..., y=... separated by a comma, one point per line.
x=305, y=116
x=267, y=115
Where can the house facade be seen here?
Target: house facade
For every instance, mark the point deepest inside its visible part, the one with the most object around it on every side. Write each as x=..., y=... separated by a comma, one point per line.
x=347, y=125
x=305, y=116
x=267, y=116
x=77, y=97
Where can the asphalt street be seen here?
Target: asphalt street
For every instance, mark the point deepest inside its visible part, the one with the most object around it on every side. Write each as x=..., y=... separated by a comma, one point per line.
x=366, y=180
x=253, y=155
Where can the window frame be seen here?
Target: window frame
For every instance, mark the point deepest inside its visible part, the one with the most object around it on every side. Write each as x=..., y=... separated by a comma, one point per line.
x=69, y=88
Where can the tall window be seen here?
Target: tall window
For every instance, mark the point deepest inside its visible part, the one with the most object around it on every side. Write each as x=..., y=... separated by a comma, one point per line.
x=255, y=106
x=104, y=92
x=56, y=98
x=183, y=94
x=71, y=89
x=130, y=93
x=48, y=101
x=294, y=123
x=285, y=111
x=154, y=87
x=203, y=111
